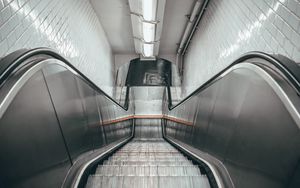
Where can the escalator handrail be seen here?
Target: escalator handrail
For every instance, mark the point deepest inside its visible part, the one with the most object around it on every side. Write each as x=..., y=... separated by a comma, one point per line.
x=15, y=60
x=286, y=66
x=290, y=70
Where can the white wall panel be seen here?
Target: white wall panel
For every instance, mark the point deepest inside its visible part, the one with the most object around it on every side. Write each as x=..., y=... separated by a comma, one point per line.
x=230, y=28
x=71, y=27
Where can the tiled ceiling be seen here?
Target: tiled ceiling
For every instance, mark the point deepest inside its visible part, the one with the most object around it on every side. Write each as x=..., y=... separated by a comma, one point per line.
x=115, y=19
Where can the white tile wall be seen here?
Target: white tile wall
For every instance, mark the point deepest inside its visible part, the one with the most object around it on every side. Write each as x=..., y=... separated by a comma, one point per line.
x=230, y=28
x=69, y=26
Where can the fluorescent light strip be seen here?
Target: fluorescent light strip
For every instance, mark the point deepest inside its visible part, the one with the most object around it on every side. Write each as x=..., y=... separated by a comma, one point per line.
x=149, y=14
x=148, y=32
x=148, y=50
x=149, y=9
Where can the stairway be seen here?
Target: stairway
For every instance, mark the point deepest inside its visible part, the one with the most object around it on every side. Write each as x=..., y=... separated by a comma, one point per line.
x=148, y=163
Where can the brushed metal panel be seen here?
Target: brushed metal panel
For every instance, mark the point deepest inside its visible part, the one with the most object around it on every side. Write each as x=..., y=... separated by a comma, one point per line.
x=91, y=112
x=68, y=105
x=229, y=101
x=30, y=139
x=266, y=138
x=248, y=120
x=206, y=105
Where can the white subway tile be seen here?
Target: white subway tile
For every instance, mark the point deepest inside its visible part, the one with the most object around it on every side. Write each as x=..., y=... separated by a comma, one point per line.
x=55, y=24
x=240, y=26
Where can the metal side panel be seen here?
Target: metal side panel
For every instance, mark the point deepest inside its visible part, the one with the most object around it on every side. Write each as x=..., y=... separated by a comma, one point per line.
x=32, y=149
x=206, y=105
x=247, y=119
x=91, y=111
x=119, y=130
x=69, y=107
x=49, y=120
x=226, y=109
x=268, y=133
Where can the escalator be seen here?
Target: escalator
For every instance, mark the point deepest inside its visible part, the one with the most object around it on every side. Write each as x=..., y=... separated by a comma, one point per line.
x=148, y=163
x=239, y=129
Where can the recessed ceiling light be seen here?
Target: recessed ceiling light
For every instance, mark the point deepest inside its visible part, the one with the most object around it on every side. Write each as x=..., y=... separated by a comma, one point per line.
x=149, y=9
x=148, y=32
x=148, y=49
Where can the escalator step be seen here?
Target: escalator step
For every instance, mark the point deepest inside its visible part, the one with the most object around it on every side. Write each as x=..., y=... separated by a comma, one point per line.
x=134, y=170
x=148, y=163
x=175, y=158
x=148, y=181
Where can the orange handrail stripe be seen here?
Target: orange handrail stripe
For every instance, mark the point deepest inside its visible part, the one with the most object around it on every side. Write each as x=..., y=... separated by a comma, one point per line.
x=117, y=120
x=148, y=116
x=176, y=120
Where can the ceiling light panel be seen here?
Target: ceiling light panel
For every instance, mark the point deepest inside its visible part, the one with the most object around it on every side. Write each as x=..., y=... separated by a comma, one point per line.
x=147, y=19
x=148, y=50
x=149, y=9
x=148, y=32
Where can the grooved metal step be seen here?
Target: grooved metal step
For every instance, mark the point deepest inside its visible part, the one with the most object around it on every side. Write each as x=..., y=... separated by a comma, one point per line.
x=152, y=153
x=147, y=170
x=175, y=158
x=148, y=181
x=148, y=163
